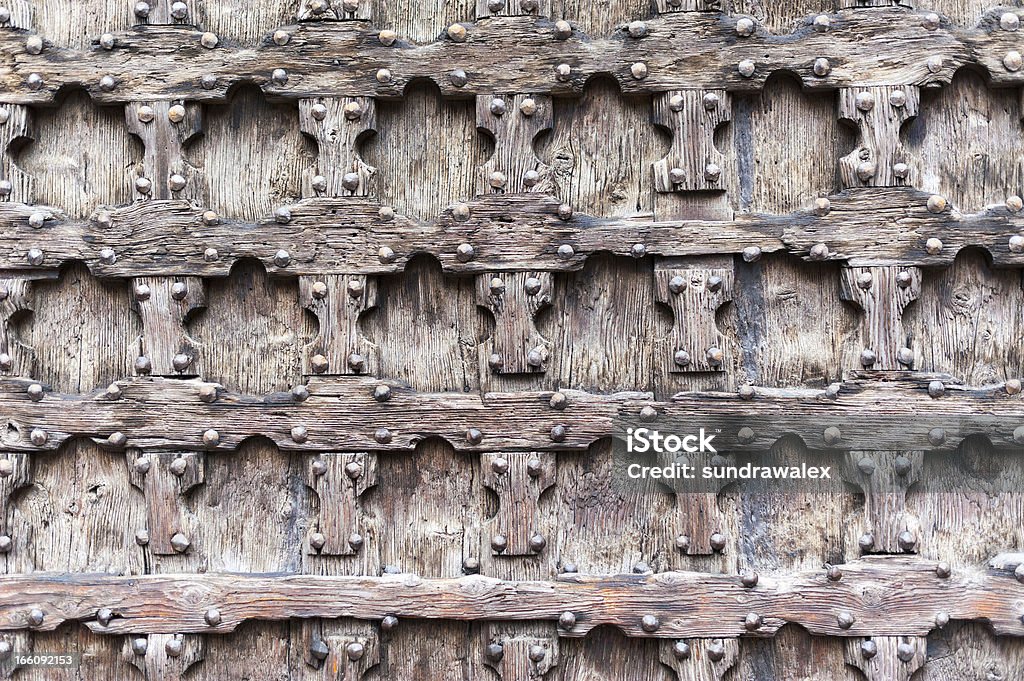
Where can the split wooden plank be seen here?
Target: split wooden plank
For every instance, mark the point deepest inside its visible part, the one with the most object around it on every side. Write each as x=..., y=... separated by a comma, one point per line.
x=165, y=127
x=692, y=116
x=879, y=113
x=164, y=304
x=515, y=122
x=165, y=478
x=515, y=299
x=694, y=290
x=519, y=479
x=882, y=294
x=338, y=124
x=338, y=301
x=161, y=414
x=919, y=595
x=339, y=481
x=681, y=50
x=15, y=124
x=15, y=297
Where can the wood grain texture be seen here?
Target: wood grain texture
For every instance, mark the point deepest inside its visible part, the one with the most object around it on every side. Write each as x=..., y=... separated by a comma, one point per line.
x=879, y=114
x=514, y=122
x=16, y=127
x=710, y=59
x=714, y=605
x=882, y=294
x=515, y=299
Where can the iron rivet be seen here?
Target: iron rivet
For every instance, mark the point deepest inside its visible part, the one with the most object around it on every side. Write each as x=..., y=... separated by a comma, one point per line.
x=382, y=393
x=142, y=9
x=499, y=465
x=905, y=356
x=211, y=438
x=319, y=467
x=1009, y=21
x=382, y=436
x=142, y=465
x=943, y=571
x=746, y=68
x=179, y=10
x=471, y=566
x=683, y=543
x=936, y=389
x=749, y=579
x=558, y=401
x=282, y=258
x=36, y=617
x=935, y=64
x=300, y=393
x=832, y=435
x=389, y=623
x=650, y=623
x=474, y=436
x=1016, y=244
x=868, y=649
x=822, y=206
x=387, y=37
x=35, y=392
x=562, y=29
x=716, y=651
x=752, y=622
x=34, y=81
x=465, y=252
x=1014, y=204
x=354, y=650
x=637, y=29
x=534, y=468
x=38, y=437
x=317, y=540
x=866, y=466
x=210, y=255
x=495, y=651
x=458, y=78
x=558, y=433
x=638, y=251
x=385, y=255
x=638, y=70
x=1013, y=61
x=903, y=465
x=563, y=72
x=457, y=32
x=941, y=620
x=822, y=67
x=821, y=23
x=845, y=620
x=648, y=414
x=208, y=40
x=383, y=76
x=907, y=541
x=866, y=542
x=834, y=573
x=319, y=650
x=715, y=356
x=751, y=254
x=140, y=645
x=143, y=365
x=565, y=252
x=1012, y=387
x=107, y=41
x=905, y=651
x=180, y=362
x=212, y=617
x=142, y=538
x=567, y=620
x=717, y=541
x=819, y=252
x=537, y=543
x=279, y=77
x=180, y=543
x=299, y=434
x=355, y=540
x=353, y=470
x=117, y=439
x=745, y=435
x=499, y=543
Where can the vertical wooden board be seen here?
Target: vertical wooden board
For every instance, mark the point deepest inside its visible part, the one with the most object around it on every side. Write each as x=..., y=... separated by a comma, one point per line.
x=793, y=528
x=425, y=326
x=427, y=152
x=82, y=157
x=439, y=650
x=967, y=321
x=79, y=24
x=793, y=655
x=83, y=331
x=100, y=656
x=791, y=324
x=420, y=21
x=967, y=143
x=250, y=514
x=962, y=12
x=601, y=19
x=246, y=22
x=788, y=145
x=962, y=518
x=80, y=515
x=606, y=655
x=423, y=516
x=252, y=155
x=782, y=16
x=601, y=150
x=256, y=650
x=608, y=316
x=970, y=651
x=604, y=526
x=252, y=331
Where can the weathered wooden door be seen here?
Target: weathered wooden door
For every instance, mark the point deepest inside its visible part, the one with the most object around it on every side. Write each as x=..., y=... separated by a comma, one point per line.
x=323, y=322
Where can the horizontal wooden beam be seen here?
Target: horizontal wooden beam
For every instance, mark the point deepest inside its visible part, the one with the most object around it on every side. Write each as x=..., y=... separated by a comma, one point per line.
x=676, y=50
x=879, y=596
x=525, y=232
x=359, y=414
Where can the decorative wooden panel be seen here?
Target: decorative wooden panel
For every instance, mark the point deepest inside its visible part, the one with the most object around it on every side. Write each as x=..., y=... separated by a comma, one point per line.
x=320, y=362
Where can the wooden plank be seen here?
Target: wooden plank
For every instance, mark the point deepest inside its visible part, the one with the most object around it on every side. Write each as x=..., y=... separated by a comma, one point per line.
x=351, y=235
x=165, y=414
x=141, y=63
x=665, y=605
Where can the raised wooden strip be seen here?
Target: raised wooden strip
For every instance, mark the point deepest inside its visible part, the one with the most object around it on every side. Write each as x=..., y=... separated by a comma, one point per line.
x=166, y=414
x=351, y=235
x=680, y=50
x=882, y=596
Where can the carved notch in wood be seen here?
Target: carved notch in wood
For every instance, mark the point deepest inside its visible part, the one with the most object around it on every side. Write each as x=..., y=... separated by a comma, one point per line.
x=338, y=300
x=878, y=112
x=885, y=477
x=337, y=124
x=164, y=305
x=514, y=122
x=164, y=657
x=883, y=293
x=15, y=123
x=887, y=658
x=165, y=127
x=338, y=10
x=692, y=116
x=15, y=359
x=339, y=481
x=700, y=659
x=165, y=478
x=515, y=299
x=694, y=289
x=345, y=649
x=15, y=473
x=519, y=479
x=517, y=654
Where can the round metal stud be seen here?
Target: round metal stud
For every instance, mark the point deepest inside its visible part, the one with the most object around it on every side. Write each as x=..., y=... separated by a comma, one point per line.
x=35, y=392
x=866, y=466
x=1018, y=435
x=558, y=433
x=832, y=435
x=936, y=389
x=936, y=436
x=211, y=255
x=499, y=465
x=458, y=78
x=142, y=9
x=117, y=439
x=558, y=401
x=354, y=651
x=208, y=40
x=180, y=543
x=745, y=27
x=143, y=365
x=746, y=68
x=382, y=436
x=752, y=622
x=901, y=170
x=300, y=393
x=386, y=213
x=751, y=254
x=383, y=76
x=389, y=623
x=845, y=620
x=353, y=470
x=716, y=651
x=1016, y=244
x=563, y=72
x=38, y=437
x=279, y=77
x=1014, y=204
x=299, y=434
x=819, y=252
x=650, y=623
x=143, y=185
x=905, y=651
x=562, y=29
x=637, y=29
x=931, y=21
x=683, y=543
x=749, y=579
x=471, y=566
x=1013, y=61
x=457, y=32
x=866, y=542
x=943, y=571
x=907, y=541
x=822, y=67
x=822, y=206
x=355, y=540
x=537, y=543
x=282, y=258
x=107, y=41
x=681, y=358
x=717, y=541
x=141, y=537
x=474, y=436
x=499, y=543
x=495, y=652
x=745, y=435
x=905, y=356
x=941, y=620
x=868, y=357
x=567, y=620
x=211, y=438
x=865, y=101
x=821, y=23
x=1012, y=386
x=179, y=10
x=865, y=170
x=638, y=70
x=382, y=393
x=834, y=573
x=934, y=63
x=176, y=182
x=36, y=617
x=1009, y=21
x=107, y=83
x=34, y=81
x=534, y=468
x=868, y=649
x=464, y=253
